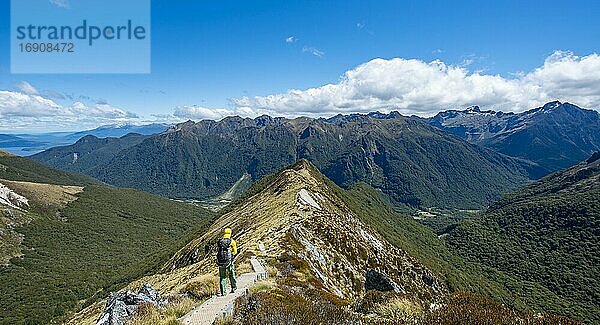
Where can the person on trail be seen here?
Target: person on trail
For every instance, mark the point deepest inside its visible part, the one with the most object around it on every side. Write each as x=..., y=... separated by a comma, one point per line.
x=226, y=252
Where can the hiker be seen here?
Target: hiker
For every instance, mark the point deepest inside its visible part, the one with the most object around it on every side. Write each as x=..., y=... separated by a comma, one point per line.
x=226, y=251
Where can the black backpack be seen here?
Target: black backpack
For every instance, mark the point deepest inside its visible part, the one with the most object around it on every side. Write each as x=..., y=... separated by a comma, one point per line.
x=224, y=252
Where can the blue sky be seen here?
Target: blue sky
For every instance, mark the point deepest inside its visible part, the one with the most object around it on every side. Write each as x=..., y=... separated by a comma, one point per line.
x=215, y=58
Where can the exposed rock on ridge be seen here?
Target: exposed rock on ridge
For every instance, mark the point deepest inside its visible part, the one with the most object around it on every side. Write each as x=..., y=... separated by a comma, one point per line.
x=298, y=215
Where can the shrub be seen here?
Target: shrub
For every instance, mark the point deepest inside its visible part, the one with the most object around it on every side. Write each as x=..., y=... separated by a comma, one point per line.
x=149, y=314
x=203, y=288
x=467, y=308
x=401, y=310
x=266, y=285
x=291, y=308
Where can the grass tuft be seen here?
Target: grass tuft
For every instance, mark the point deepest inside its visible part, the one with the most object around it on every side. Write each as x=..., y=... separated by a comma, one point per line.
x=402, y=310
x=149, y=314
x=203, y=287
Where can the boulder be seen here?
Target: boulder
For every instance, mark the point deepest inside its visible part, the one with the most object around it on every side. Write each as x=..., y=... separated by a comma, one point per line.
x=428, y=279
x=121, y=306
x=148, y=292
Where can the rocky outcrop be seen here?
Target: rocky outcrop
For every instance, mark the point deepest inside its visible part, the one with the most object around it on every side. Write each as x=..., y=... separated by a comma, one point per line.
x=298, y=215
x=376, y=280
x=305, y=199
x=12, y=199
x=121, y=306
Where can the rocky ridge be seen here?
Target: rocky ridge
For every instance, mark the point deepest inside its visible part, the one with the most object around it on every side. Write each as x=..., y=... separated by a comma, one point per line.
x=297, y=215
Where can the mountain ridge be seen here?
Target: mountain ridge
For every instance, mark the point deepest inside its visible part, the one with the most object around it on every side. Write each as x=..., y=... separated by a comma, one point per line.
x=312, y=219
x=329, y=259
x=555, y=136
x=412, y=162
x=29, y=144
x=547, y=233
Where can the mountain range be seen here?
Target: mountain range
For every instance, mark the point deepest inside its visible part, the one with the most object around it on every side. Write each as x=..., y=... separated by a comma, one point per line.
x=334, y=256
x=332, y=253
x=457, y=159
x=29, y=144
x=412, y=162
x=554, y=136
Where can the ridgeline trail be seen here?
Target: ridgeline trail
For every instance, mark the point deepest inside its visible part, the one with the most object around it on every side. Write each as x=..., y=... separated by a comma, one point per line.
x=215, y=307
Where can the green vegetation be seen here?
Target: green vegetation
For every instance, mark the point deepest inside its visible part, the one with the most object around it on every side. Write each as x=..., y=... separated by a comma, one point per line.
x=456, y=308
x=412, y=162
x=95, y=244
x=22, y=169
x=419, y=241
x=297, y=298
x=91, y=152
x=461, y=274
x=149, y=314
x=546, y=233
x=440, y=220
x=467, y=308
x=400, y=310
x=202, y=288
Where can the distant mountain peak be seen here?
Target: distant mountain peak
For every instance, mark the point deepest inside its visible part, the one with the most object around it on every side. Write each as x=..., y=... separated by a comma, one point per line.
x=555, y=135
x=114, y=125
x=474, y=108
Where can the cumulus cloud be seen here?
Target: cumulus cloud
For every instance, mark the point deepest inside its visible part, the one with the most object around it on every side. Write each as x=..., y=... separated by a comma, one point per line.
x=26, y=109
x=407, y=85
x=290, y=39
x=14, y=104
x=416, y=87
x=195, y=112
x=101, y=111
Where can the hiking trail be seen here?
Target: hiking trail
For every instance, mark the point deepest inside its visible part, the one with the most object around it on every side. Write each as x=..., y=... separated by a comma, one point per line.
x=210, y=310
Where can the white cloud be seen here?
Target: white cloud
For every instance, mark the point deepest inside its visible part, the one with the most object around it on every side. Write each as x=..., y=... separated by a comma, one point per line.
x=416, y=87
x=203, y=113
x=313, y=51
x=101, y=111
x=568, y=77
x=290, y=39
x=27, y=88
x=14, y=104
x=408, y=85
x=21, y=110
x=61, y=3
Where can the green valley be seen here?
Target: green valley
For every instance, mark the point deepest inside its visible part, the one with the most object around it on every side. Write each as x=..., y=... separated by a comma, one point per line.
x=74, y=244
x=545, y=233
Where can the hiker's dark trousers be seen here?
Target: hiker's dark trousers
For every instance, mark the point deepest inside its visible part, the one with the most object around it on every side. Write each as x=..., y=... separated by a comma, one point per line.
x=223, y=270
